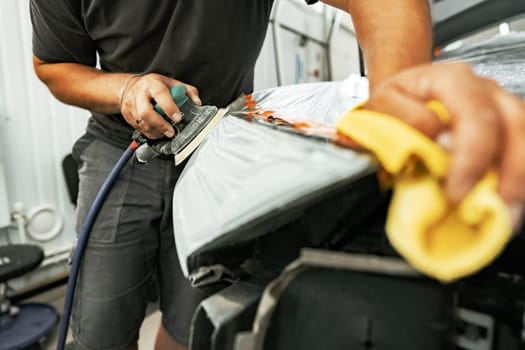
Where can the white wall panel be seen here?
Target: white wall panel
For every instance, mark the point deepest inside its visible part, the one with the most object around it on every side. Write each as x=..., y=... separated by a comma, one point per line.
x=299, y=63
x=36, y=131
x=4, y=206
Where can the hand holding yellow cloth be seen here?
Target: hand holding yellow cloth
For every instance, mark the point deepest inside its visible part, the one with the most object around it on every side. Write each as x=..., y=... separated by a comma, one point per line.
x=444, y=241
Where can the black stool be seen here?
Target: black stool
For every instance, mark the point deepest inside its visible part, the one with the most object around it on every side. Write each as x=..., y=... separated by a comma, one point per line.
x=28, y=324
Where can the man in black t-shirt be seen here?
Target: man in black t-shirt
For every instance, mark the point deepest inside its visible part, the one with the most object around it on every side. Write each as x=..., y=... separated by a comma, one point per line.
x=145, y=47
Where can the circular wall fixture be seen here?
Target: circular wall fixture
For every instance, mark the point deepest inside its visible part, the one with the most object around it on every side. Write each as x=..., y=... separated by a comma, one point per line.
x=44, y=223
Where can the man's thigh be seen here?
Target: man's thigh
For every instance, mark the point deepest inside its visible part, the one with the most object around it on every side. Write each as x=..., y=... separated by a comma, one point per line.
x=118, y=270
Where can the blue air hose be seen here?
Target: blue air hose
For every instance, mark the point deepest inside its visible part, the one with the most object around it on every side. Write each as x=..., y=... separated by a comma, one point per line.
x=83, y=239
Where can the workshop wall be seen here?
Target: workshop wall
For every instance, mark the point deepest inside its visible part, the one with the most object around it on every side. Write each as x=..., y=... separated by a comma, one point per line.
x=298, y=48
x=36, y=132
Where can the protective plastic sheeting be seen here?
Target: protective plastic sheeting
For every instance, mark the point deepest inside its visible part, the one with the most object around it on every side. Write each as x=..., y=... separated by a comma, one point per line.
x=245, y=175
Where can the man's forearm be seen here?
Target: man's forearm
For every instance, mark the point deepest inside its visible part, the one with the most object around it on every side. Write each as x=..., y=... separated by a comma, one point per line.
x=128, y=94
x=82, y=86
x=393, y=34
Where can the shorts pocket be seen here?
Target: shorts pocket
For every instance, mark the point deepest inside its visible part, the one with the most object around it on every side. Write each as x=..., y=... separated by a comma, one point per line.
x=81, y=145
x=97, y=160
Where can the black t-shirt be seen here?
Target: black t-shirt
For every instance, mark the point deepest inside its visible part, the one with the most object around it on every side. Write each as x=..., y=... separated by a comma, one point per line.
x=211, y=44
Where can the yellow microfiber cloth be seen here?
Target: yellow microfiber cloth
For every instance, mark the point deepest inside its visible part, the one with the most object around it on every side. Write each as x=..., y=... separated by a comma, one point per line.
x=444, y=241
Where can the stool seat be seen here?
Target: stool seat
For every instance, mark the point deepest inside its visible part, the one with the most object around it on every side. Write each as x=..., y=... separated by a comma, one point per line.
x=32, y=324
x=18, y=259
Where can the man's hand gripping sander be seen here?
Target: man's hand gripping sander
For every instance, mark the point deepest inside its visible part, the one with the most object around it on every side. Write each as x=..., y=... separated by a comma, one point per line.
x=196, y=124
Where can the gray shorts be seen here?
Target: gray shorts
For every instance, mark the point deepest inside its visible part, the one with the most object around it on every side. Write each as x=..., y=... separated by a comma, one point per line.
x=131, y=258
